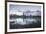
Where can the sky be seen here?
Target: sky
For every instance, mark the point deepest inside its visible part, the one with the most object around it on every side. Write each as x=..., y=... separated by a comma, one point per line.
x=23, y=8
x=19, y=9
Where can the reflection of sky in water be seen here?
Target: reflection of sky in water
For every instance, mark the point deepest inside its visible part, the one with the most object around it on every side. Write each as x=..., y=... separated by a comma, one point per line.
x=26, y=21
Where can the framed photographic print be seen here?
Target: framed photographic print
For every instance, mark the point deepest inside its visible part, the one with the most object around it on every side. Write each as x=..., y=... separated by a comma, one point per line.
x=24, y=16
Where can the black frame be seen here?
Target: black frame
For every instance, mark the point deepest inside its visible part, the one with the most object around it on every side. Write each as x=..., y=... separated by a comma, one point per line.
x=22, y=2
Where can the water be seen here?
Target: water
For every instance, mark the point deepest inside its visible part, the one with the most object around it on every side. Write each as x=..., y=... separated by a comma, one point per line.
x=18, y=23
